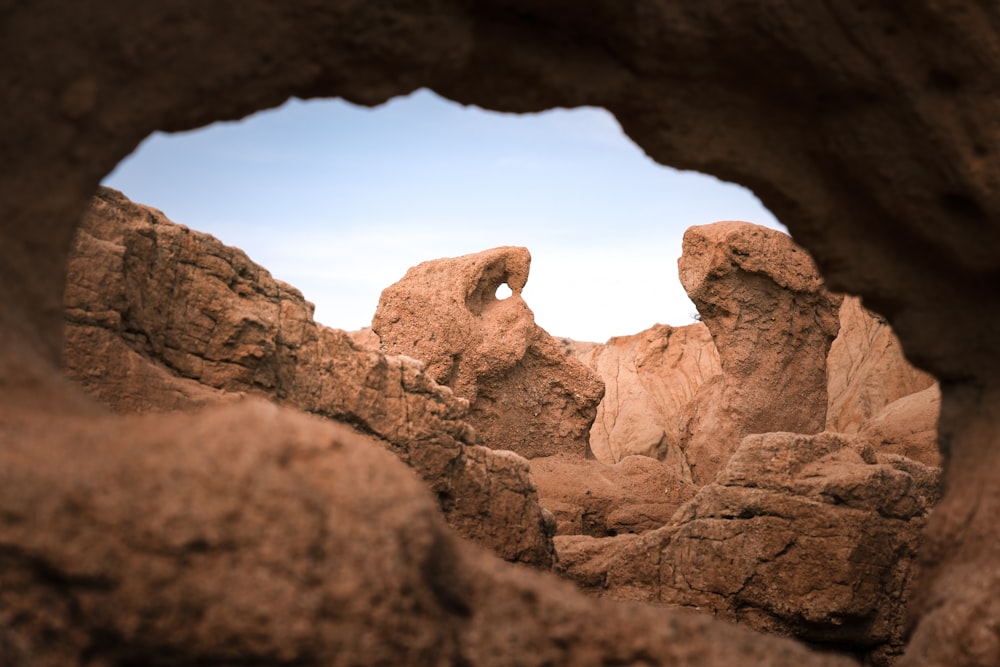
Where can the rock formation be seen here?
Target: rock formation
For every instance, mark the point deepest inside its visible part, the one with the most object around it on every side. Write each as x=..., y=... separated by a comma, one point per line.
x=525, y=393
x=866, y=128
x=772, y=321
x=253, y=534
x=908, y=427
x=162, y=318
x=809, y=536
x=867, y=369
x=649, y=381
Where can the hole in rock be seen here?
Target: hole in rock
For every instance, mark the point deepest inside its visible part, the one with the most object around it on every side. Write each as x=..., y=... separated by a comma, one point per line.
x=503, y=292
x=340, y=200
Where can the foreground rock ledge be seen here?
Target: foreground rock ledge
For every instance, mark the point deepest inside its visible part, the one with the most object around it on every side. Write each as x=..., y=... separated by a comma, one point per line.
x=251, y=533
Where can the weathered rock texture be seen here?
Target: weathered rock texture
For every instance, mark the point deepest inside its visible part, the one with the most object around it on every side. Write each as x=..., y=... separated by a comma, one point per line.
x=588, y=497
x=809, y=536
x=161, y=318
x=649, y=381
x=251, y=534
x=772, y=321
x=867, y=128
x=866, y=369
x=526, y=394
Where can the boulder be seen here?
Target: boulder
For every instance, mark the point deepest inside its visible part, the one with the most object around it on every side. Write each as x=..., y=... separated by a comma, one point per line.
x=525, y=392
x=814, y=537
x=159, y=317
x=649, y=379
x=867, y=369
x=772, y=321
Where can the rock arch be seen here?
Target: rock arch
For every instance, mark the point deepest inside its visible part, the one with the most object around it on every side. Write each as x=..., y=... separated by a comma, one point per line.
x=867, y=128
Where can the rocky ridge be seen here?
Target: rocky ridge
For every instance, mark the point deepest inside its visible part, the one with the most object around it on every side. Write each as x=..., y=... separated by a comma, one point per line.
x=159, y=317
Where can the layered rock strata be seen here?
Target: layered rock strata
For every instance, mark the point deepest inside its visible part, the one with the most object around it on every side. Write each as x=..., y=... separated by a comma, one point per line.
x=525, y=393
x=163, y=318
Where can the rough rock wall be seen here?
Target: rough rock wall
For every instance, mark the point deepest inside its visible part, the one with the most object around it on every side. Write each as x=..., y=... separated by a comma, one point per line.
x=159, y=317
x=772, y=321
x=589, y=497
x=867, y=128
x=867, y=369
x=252, y=534
x=649, y=381
x=525, y=393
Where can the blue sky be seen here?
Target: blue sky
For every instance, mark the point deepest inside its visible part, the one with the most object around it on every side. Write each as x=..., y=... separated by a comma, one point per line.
x=340, y=200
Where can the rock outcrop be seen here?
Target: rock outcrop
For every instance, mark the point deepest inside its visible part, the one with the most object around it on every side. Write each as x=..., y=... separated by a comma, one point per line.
x=772, y=321
x=162, y=318
x=649, y=381
x=526, y=394
x=868, y=130
x=866, y=369
x=809, y=536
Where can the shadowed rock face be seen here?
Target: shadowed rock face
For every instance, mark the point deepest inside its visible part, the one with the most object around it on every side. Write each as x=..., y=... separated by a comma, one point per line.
x=868, y=129
x=525, y=393
x=772, y=321
x=867, y=369
x=159, y=317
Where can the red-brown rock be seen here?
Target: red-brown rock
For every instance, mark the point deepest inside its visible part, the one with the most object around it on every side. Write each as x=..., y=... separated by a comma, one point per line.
x=866, y=369
x=908, y=427
x=162, y=318
x=649, y=379
x=588, y=497
x=772, y=321
x=254, y=534
x=809, y=536
x=525, y=393
x=866, y=128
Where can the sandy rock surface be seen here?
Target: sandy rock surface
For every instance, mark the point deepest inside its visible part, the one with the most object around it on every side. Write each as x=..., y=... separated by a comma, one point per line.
x=650, y=379
x=809, y=536
x=867, y=369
